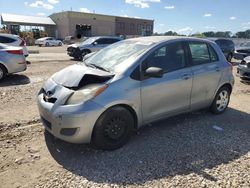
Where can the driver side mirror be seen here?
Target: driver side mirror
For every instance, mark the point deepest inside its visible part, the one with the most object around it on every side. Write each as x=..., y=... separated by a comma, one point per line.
x=95, y=43
x=154, y=72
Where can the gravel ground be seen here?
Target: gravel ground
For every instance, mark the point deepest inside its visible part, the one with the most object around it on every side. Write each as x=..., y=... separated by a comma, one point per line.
x=198, y=149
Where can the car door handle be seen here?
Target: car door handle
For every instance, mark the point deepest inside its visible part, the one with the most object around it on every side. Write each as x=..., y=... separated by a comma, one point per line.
x=185, y=76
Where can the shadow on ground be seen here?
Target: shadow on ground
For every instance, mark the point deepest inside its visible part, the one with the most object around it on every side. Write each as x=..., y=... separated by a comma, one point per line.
x=14, y=80
x=180, y=145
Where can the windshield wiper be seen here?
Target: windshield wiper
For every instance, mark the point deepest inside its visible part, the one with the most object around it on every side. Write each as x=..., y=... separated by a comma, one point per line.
x=99, y=67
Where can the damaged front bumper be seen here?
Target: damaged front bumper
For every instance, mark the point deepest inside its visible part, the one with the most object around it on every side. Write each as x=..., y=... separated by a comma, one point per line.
x=71, y=123
x=243, y=71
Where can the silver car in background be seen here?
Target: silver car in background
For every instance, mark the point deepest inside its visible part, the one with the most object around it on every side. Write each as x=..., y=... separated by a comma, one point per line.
x=92, y=44
x=48, y=41
x=131, y=83
x=12, y=60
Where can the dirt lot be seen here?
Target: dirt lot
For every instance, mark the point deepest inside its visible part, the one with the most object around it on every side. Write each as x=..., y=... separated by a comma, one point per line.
x=184, y=151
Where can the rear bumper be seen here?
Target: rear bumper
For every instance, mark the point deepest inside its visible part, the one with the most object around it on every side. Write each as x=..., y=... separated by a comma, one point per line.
x=17, y=64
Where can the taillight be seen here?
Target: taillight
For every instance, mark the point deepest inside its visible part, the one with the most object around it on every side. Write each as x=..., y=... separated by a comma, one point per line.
x=17, y=52
x=22, y=43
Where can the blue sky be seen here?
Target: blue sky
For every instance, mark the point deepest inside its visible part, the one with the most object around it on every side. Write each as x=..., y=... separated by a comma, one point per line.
x=182, y=16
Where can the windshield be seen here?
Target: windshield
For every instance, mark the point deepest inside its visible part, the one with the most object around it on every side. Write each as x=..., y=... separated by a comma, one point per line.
x=89, y=40
x=117, y=54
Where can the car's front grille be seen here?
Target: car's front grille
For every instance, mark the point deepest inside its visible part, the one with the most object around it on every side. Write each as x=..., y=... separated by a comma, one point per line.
x=49, y=99
x=46, y=123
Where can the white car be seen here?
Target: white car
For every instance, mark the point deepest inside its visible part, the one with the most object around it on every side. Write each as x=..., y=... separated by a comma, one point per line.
x=14, y=40
x=48, y=41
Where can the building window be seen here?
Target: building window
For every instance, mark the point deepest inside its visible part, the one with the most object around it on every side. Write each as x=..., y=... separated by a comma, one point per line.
x=132, y=27
x=139, y=28
x=149, y=27
x=121, y=25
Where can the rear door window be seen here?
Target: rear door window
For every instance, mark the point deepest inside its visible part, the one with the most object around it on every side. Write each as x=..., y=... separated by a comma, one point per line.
x=199, y=53
x=4, y=39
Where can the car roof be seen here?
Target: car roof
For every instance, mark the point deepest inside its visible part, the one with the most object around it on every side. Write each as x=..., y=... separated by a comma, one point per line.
x=159, y=39
x=110, y=37
x=215, y=39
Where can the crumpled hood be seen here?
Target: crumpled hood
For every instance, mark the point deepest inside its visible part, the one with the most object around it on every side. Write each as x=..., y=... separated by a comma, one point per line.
x=79, y=75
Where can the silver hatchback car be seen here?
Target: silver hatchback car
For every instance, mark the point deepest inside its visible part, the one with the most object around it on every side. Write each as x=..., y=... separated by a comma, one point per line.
x=131, y=83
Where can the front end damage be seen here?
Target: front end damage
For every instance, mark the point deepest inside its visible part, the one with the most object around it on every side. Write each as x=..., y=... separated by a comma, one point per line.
x=243, y=69
x=65, y=102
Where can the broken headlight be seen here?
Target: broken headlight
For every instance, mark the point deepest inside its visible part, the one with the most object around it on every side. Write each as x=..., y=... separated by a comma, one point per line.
x=85, y=94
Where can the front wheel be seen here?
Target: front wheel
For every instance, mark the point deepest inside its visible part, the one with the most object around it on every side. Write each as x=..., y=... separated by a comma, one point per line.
x=112, y=129
x=60, y=44
x=221, y=100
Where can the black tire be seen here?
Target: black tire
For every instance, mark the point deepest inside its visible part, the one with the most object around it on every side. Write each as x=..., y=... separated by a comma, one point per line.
x=46, y=44
x=112, y=129
x=220, y=108
x=3, y=72
x=60, y=44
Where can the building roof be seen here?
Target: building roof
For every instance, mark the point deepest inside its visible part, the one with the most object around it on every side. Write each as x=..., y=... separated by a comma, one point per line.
x=21, y=19
x=95, y=14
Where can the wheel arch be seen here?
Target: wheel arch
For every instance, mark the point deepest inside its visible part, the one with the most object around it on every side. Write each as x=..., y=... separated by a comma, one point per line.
x=127, y=107
x=228, y=85
x=4, y=67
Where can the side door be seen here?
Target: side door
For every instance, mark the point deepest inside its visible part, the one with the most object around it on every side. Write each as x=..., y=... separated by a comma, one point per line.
x=207, y=72
x=54, y=42
x=171, y=93
x=99, y=44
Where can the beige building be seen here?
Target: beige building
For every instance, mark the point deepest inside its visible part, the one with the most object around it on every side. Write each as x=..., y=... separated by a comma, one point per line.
x=68, y=24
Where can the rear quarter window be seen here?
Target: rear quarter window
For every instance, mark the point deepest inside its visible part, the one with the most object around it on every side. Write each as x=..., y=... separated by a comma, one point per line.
x=199, y=53
x=4, y=39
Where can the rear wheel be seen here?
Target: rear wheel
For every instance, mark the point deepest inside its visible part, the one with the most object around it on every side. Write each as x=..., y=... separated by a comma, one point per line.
x=3, y=72
x=113, y=128
x=60, y=44
x=221, y=100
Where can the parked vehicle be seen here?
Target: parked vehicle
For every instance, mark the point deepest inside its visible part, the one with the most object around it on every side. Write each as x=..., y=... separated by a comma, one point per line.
x=12, y=60
x=242, y=51
x=48, y=41
x=14, y=40
x=243, y=69
x=92, y=44
x=227, y=46
x=131, y=83
x=72, y=40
